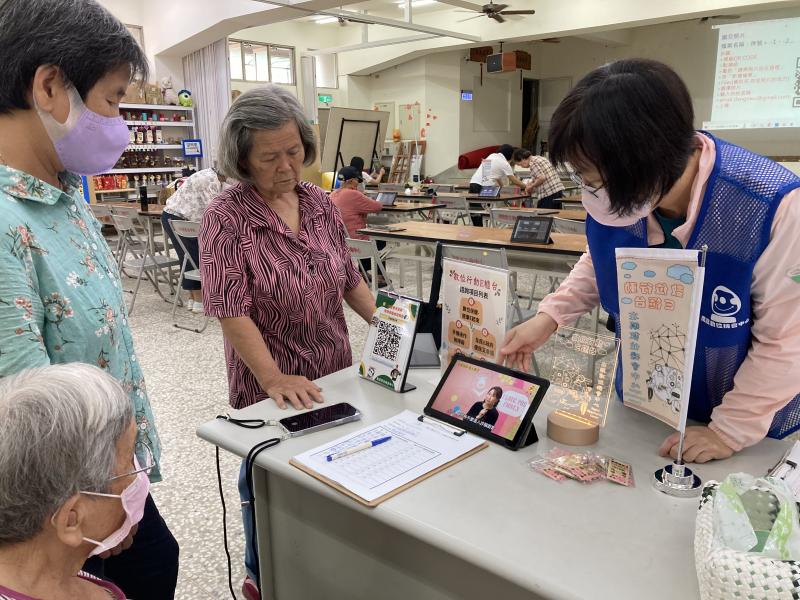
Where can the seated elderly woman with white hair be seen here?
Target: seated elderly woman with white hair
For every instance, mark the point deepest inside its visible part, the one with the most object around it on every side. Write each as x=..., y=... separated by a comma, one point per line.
x=70, y=485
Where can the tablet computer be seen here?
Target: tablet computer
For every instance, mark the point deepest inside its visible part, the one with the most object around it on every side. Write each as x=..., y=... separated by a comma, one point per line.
x=490, y=191
x=532, y=230
x=387, y=198
x=493, y=402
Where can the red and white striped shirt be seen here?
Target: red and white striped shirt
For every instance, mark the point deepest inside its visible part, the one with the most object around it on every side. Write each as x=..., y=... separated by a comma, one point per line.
x=291, y=286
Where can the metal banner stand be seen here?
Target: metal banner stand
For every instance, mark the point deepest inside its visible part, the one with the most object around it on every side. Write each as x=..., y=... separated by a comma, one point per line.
x=677, y=479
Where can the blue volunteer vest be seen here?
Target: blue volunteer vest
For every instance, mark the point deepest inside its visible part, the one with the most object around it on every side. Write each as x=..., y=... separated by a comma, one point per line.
x=742, y=194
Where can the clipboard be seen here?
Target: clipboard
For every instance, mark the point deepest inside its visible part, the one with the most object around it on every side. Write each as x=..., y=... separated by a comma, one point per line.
x=377, y=501
x=412, y=451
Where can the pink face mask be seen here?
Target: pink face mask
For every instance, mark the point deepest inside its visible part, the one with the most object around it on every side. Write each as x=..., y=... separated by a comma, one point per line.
x=133, y=500
x=597, y=205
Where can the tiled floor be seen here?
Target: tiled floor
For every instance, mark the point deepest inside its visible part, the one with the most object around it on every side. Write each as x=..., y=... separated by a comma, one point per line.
x=185, y=375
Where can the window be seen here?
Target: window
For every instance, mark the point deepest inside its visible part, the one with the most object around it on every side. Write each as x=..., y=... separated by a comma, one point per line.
x=325, y=75
x=252, y=61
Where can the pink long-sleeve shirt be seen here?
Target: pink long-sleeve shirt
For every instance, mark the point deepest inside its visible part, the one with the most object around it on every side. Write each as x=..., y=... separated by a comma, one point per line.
x=768, y=378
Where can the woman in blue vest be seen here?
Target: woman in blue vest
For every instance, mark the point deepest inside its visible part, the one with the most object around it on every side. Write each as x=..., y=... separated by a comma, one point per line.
x=649, y=179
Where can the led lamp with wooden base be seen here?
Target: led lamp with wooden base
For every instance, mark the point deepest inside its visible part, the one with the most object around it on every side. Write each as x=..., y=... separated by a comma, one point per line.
x=571, y=430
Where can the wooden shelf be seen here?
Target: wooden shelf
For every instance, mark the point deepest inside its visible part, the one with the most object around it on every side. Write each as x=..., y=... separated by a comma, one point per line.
x=126, y=190
x=154, y=147
x=145, y=170
x=154, y=107
x=162, y=123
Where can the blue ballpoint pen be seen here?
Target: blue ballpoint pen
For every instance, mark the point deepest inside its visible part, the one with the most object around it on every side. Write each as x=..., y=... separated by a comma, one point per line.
x=358, y=448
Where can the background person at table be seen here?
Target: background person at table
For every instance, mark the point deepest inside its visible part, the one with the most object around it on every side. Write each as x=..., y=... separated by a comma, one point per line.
x=485, y=412
x=354, y=206
x=661, y=183
x=545, y=185
x=66, y=67
x=275, y=264
x=494, y=170
x=367, y=178
x=57, y=507
x=521, y=161
x=188, y=203
x=376, y=176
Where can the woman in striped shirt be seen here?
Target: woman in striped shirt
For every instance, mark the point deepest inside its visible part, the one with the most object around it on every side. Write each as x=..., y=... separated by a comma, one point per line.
x=274, y=262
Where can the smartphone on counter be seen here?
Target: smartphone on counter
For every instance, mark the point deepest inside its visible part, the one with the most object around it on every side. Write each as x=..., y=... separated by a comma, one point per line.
x=318, y=419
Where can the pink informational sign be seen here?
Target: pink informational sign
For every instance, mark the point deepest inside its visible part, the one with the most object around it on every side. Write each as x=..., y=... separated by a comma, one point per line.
x=475, y=298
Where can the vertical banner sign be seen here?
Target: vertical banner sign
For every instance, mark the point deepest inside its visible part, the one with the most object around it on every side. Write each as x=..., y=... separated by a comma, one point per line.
x=390, y=340
x=473, y=311
x=659, y=302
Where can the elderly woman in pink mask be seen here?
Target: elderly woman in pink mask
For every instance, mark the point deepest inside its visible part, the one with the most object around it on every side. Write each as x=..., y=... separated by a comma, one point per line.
x=58, y=508
x=649, y=179
x=66, y=67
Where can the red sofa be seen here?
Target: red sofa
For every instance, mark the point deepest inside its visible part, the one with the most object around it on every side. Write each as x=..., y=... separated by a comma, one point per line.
x=472, y=160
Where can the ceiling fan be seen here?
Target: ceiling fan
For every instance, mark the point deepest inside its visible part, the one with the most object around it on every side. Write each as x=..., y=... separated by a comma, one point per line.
x=494, y=11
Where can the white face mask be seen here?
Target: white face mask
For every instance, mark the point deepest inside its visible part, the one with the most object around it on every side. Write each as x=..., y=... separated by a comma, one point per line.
x=598, y=205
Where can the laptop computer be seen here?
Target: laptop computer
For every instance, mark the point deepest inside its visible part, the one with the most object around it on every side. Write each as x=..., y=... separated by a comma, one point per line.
x=387, y=198
x=490, y=191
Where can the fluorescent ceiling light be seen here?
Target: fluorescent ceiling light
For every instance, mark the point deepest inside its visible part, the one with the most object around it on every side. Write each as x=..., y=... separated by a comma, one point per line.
x=415, y=3
x=324, y=19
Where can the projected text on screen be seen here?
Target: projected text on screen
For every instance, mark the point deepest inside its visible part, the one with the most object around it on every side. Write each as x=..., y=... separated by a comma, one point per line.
x=757, y=83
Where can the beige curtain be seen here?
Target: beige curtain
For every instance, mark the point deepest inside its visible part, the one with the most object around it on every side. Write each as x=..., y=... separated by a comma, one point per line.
x=207, y=75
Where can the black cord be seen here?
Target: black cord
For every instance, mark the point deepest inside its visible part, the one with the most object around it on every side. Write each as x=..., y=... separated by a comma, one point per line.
x=249, y=462
x=225, y=528
x=246, y=423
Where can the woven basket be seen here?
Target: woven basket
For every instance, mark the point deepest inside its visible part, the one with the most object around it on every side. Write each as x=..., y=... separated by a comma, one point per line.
x=725, y=574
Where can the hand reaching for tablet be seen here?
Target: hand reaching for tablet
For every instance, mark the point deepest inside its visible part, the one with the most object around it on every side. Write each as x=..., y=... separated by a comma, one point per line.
x=524, y=339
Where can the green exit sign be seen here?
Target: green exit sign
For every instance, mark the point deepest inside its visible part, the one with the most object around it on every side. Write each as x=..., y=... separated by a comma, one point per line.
x=325, y=98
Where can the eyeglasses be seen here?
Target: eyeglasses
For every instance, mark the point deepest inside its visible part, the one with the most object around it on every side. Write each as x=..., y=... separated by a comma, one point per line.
x=136, y=471
x=577, y=180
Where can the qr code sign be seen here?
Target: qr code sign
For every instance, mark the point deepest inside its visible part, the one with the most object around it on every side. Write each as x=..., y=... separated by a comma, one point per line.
x=387, y=343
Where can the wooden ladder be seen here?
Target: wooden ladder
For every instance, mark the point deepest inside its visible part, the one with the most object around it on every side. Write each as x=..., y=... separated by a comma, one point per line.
x=401, y=163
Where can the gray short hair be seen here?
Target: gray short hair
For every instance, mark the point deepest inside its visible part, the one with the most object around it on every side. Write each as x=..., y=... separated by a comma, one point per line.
x=59, y=427
x=266, y=107
x=83, y=39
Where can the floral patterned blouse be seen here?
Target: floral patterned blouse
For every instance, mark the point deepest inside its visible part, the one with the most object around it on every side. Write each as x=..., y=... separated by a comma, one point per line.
x=61, y=298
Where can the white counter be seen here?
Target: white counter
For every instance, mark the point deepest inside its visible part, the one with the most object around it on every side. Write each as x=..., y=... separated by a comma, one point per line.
x=486, y=527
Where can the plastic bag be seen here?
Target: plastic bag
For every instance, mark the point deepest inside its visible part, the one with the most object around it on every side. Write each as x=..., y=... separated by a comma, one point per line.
x=757, y=515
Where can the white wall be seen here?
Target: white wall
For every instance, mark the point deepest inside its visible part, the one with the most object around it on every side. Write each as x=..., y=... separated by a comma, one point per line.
x=482, y=123
x=302, y=35
x=442, y=77
x=690, y=48
x=129, y=12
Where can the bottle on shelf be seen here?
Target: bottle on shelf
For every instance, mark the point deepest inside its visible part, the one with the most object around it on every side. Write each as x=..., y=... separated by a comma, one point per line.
x=159, y=136
x=143, y=200
x=132, y=135
x=140, y=135
x=148, y=135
